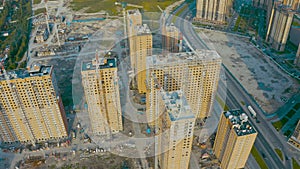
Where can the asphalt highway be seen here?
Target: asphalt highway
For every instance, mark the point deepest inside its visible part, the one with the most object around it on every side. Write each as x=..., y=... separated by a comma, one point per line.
x=268, y=138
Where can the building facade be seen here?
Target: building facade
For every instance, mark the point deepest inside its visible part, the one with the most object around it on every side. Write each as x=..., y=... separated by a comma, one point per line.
x=31, y=108
x=280, y=22
x=134, y=18
x=294, y=140
x=175, y=131
x=171, y=39
x=196, y=74
x=101, y=89
x=213, y=11
x=234, y=140
x=140, y=47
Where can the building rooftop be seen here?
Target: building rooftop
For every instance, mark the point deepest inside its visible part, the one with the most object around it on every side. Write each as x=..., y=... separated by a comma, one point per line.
x=34, y=70
x=284, y=8
x=176, y=105
x=133, y=12
x=171, y=28
x=183, y=57
x=104, y=63
x=239, y=122
x=142, y=29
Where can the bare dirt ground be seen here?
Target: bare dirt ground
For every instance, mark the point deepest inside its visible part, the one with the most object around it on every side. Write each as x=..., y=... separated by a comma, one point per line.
x=269, y=85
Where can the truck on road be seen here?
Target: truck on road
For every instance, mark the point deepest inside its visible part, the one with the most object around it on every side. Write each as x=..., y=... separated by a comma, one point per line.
x=253, y=113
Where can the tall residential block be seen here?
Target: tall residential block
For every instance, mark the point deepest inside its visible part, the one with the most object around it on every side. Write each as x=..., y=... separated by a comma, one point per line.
x=134, y=18
x=279, y=26
x=297, y=58
x=293, y=4
x=31, y=108
x=213, y=10
x=101, y=89
x=295, y=138
x=171, y=39
x=140, y=47
x=175, y=128
x=196, y=74
x=234, y=140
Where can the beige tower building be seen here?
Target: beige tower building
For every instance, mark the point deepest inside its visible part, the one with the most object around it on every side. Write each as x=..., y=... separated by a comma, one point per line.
x=140, y=47
x=196, y=74
x=213, y=10
x=234, y=140
x=101, y=89
x=279, y=26
x=31, y=109
x=134, y=18
x=294, y=140
x=171, y=39
x=175, y=131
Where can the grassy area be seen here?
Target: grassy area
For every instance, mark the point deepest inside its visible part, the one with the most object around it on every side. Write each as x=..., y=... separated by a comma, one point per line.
x=236, y=26
x=279, y=153
x=279, y=124
x=297, y=106
x=221, y=102
x=291, y=113
x=18, y=32
x=38, y=11
x=295, y=24
x=258, y=158
x=181, y=10
x=295, y=164
x=287, y=133
x=36, y=1
x=109, y=5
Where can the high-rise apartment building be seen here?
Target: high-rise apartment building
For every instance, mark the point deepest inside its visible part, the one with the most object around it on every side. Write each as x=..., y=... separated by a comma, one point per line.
x=31, y=108
x=295, y=138
x=234, y=140
x=279, y=26
x=175, y=128
x=140, y=47
x=171, y=39
x=101, y=89
x=293, y=4
x=134, y=18
x=213, y=10
x=196, y=74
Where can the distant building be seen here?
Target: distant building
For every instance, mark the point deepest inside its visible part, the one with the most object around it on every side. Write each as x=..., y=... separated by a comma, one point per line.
x=196, y=74
x=279, y=26
x=213, y=10
x=294, y=35
x=171, y=39
x=297, y=58
x=294, y=140
x=101, y=89
x=175, y=131
x=234, y=140
x=31, y=108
